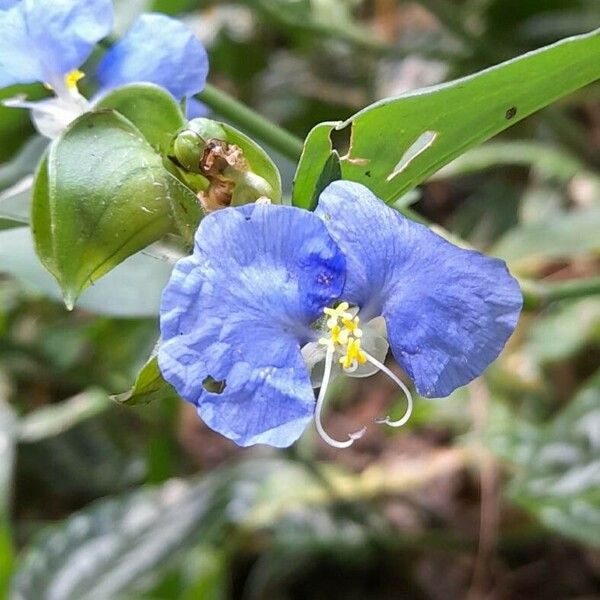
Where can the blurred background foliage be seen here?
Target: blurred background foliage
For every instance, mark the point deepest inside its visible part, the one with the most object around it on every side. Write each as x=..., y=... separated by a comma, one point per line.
x=493, y=492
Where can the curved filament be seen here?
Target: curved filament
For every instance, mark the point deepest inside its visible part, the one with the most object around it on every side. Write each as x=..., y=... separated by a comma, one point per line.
x=319, y=408
x=400, y=383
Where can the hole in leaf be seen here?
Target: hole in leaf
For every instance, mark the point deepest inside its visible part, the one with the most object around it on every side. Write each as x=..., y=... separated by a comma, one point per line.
x=214, y=386
x=341, y=139
x=424, y=141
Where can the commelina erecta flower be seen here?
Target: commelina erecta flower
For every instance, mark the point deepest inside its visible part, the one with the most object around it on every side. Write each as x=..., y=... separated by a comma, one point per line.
x=49, y=40
x=276, y=300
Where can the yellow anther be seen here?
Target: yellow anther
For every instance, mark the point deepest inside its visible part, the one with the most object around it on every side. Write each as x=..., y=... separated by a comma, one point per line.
x=72, y=78
x=352, y=326
x=353, y=353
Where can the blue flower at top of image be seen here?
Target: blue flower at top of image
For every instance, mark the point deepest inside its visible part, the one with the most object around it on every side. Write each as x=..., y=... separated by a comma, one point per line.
x=276, y=300
x=49, y=40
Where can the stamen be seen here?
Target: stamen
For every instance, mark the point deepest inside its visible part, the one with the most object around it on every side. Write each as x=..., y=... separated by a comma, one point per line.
x=319, y=408
x=400, y=383
x=72, y=78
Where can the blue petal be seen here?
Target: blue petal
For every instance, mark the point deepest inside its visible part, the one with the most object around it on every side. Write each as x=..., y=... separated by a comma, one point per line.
x=42, y=40
x=196, y=109
x=160, y=50
x=18, y=63
x=448, y=311
x=239, y=309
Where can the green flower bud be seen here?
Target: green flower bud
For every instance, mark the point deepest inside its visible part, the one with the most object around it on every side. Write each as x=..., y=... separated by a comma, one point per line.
x=188, y=148
x=207, y=129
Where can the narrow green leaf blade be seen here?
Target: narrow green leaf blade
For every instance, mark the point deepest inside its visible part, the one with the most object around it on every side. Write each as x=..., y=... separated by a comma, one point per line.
x=399, y=142
x=148, y=387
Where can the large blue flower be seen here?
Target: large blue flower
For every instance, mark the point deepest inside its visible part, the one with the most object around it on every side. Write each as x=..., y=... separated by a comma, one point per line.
x=272, y=295
x=48, y=40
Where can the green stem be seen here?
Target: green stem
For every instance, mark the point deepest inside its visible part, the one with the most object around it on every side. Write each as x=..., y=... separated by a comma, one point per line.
x=536, y=295
x=256, y=125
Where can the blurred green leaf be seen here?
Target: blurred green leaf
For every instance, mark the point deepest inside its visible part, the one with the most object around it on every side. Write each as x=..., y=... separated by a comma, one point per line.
x=132, y=289
x=8, y=429
x=54, y=419
x=23, y=163
x=547, y=160
x=103, y=196
x=148, y=387
x=103, y=550
x=96, y=456
x=563, y=330
x=150, y=108
x=559, y=480
x=527, y=246
x=397, y=143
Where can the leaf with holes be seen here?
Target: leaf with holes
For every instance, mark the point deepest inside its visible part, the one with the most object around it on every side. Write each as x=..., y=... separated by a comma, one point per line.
x=397, y=143
x=101, y=196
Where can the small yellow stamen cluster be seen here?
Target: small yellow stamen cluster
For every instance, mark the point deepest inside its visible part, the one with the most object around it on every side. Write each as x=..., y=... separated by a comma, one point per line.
x=344, y=335
x=72, y=78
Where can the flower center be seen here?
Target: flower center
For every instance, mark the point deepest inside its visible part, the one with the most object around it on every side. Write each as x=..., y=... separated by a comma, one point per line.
x=72, y=78
x=343, y=339
x=344, y=336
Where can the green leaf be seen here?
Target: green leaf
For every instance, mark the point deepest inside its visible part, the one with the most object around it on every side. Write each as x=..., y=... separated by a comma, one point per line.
x=397, y=143
x=312, y=172
x=560, y=478
x=148, y=387
x=8, y=428
x=150, y=108
x=54, y=419
x=564, y=330
x=102, y=195
x=23, y=163
x=528, y=246
x=132, y=289
x=144, y=530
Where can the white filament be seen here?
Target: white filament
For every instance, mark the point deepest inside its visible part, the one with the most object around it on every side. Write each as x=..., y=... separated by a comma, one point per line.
x=319, y=408
x=398, y=381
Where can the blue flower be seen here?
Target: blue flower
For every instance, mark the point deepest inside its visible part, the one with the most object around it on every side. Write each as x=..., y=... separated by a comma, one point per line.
x=275, y=300
x=47, y=41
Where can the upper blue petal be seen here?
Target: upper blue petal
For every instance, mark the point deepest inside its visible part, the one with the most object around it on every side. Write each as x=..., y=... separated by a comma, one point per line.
x=42, y=40
x=448, y=311
x=18, y=62
x=239, y=309
x=160, y=50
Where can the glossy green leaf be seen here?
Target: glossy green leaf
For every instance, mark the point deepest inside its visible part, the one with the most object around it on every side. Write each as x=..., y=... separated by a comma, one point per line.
x=397, y=143
x=148, y=387
x=131, y=289
x=312, y=168
x=560, y=477
x=102, y=195
x=150, y=108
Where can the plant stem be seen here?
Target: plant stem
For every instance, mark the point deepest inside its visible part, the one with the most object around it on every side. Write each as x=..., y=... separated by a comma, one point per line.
x=256, y=125
x=536, y=295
